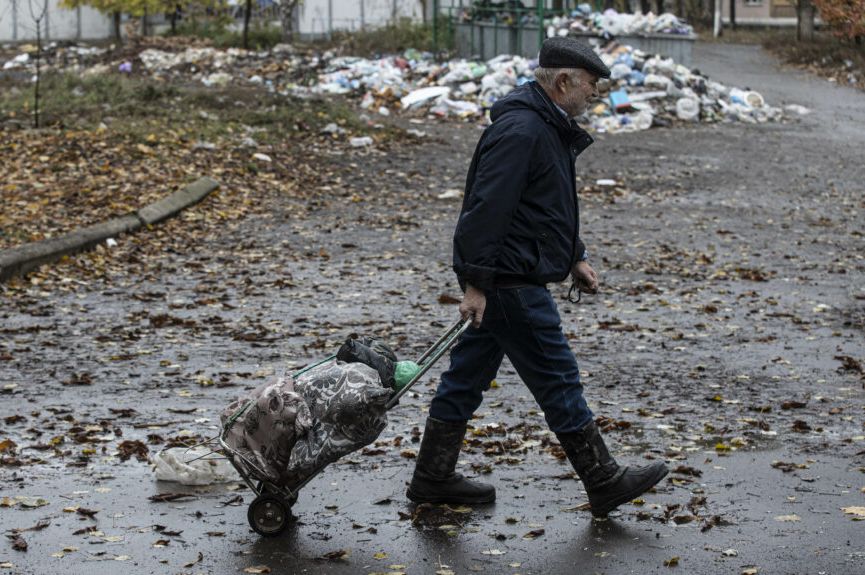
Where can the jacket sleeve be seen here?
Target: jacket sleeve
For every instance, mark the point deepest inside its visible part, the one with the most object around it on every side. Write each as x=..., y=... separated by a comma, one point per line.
x=500, y=175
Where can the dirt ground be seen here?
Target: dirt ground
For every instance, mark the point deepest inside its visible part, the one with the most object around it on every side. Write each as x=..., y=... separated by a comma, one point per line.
x=727, y=339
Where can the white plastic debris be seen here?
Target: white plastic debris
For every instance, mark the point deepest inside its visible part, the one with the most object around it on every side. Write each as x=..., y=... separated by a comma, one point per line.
x=450, y=194
x=605, y=182
x=218, y=79
x=360, y=142
x=332, y=128
x=424, y=94
x=797, y=109
x=687, y=109
x=262, y=157
x=202, y=145
x=192, y=467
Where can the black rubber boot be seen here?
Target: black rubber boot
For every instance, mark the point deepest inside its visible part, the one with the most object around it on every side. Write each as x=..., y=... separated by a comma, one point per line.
x=608, y=484
x=434, y=479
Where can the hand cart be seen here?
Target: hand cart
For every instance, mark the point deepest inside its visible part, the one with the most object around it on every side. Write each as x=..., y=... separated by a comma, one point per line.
x=269, y=512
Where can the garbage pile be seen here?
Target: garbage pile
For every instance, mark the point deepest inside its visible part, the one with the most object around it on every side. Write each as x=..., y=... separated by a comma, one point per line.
x=612, y=23
x=645, y=90
x=72, y=58
x=582, y=19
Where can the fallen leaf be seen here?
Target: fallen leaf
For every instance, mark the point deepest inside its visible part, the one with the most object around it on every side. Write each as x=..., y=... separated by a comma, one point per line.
x=858, y=511
x=19, y=544
x=672, y=561
x=164, y=497
x=533, y=534
x=447, y=299
x=338, y=555
x=32, y=501
x=790, y=518
x=458, y=509
x=194, y=561
x=257, y=569
x=493, y=552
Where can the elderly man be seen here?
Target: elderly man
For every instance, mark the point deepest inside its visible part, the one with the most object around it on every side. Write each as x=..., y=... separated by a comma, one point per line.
x=519, y=230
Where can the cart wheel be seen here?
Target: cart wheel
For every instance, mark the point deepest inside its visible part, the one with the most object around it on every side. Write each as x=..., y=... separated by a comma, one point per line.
x=267, y=515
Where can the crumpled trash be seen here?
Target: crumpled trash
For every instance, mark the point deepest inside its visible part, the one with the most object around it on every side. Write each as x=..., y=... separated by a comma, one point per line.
x=360, y=142
x=687, y=109
x=413, y=83
x=423, y=94
x=192, y=467
x=610, y=22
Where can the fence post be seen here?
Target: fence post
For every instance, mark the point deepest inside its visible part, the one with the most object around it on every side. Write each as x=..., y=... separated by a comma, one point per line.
x=47, y=22
x=541, y=30
x=14, y=20
x=435, y=28
x=362, y=15
x=329, y=19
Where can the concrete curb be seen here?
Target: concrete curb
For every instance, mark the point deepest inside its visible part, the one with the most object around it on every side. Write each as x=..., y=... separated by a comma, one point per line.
x=20, y=260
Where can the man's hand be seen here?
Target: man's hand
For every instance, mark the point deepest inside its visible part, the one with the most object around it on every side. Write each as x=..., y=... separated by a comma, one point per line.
x=473, y=305
x=585, y=277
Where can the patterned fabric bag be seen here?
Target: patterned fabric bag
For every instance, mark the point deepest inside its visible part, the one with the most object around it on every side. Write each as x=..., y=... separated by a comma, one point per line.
x=291, y=427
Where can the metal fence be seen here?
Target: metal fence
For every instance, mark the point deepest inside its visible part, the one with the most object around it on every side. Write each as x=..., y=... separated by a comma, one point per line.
x=487, y=29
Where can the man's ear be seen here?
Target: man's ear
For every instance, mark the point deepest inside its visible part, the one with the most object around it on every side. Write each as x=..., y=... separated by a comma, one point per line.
x=562, y=81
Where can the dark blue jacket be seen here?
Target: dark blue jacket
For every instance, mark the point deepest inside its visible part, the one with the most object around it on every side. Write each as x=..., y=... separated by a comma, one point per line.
x=520, y=215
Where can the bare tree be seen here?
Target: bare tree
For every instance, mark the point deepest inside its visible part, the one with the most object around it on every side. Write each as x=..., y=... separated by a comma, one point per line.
x=805, y=20
x=286, y=16
x=247, y=13
x=38, y=16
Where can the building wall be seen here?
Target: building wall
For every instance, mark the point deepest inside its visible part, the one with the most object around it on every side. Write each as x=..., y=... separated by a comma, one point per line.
x=17, y=23
x=318, y=18
x=766, y=12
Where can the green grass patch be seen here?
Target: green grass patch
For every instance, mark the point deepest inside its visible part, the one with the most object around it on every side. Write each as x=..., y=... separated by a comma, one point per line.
x=261, y=36
x=395, y=39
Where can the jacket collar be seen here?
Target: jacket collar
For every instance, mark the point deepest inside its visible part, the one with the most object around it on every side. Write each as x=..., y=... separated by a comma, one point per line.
x=567, y=127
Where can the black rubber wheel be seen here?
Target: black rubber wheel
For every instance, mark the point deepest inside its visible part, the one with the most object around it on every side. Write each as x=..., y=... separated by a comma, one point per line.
x=268, y=515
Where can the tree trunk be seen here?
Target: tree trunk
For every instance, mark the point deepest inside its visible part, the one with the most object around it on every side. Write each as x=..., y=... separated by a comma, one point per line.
x=659, y=6
x=733, y=14
x=38, y=74
x=286, y=16
x=680, y=8
x=247, y=13
x=644, y=6
x=805, y=17
x=117, y=35
x=174, y=21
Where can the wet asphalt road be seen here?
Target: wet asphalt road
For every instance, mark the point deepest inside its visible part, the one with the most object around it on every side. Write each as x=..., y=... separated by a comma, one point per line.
x=732, y=267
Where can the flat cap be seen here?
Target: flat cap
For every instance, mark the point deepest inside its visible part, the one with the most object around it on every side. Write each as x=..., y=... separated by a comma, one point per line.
x=565, y=52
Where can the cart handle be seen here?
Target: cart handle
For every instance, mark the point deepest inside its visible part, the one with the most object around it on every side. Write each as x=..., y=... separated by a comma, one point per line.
x=431, y=356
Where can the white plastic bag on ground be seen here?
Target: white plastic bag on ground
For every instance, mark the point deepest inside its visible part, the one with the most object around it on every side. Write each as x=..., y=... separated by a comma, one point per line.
x=176, y=464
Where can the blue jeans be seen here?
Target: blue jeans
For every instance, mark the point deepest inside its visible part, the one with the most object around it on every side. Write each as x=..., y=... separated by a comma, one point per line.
x=522, y=323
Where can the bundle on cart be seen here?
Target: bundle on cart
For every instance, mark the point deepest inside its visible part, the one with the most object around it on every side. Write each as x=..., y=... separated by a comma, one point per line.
x=283, y=433
x=284, y=430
